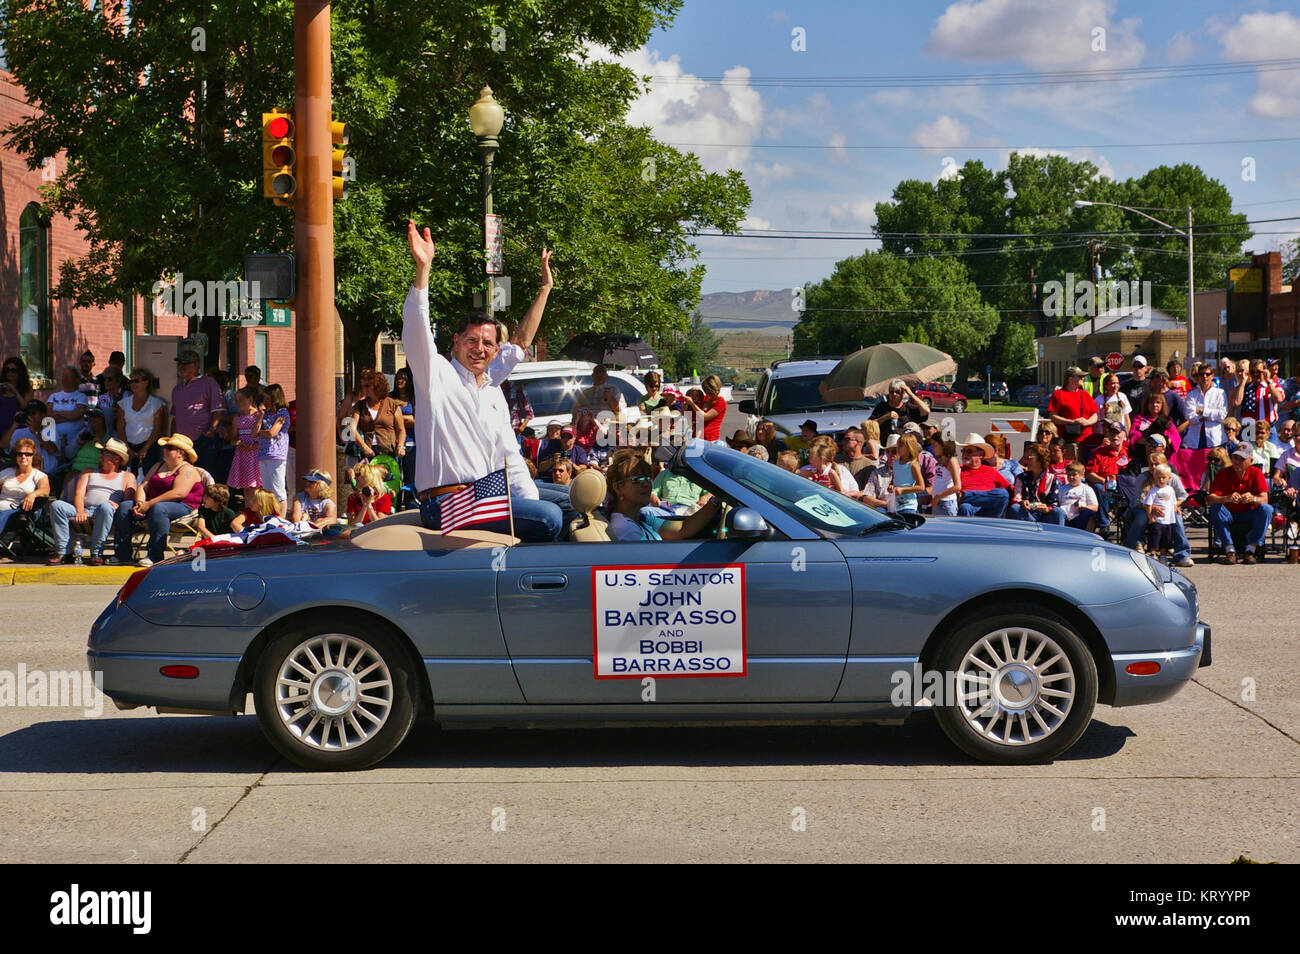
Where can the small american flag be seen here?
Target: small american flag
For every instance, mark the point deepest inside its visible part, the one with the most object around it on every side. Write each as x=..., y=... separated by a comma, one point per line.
x=487, y=499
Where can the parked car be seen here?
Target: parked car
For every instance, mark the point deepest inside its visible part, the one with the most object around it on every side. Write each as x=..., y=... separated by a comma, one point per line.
x=787, y=396
x=1030, y=395
x=343, y=643
x=551, y=387
x=936, y=394
x=975, y=390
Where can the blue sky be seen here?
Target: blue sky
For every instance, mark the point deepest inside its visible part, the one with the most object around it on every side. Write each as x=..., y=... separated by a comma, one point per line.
x=834, y=187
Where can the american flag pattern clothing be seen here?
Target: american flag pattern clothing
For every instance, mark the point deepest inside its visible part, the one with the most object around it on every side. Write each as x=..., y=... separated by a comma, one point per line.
x=484, y=501
x=1258, y=403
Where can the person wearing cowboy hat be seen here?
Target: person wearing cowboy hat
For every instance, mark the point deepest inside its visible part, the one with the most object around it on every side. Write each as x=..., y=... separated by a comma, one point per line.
x=984, y=491
x=172, y=488
x=740, y=440
x=95, y=499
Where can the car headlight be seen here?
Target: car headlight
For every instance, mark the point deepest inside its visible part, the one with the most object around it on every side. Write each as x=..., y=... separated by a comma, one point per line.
x=1149, y=567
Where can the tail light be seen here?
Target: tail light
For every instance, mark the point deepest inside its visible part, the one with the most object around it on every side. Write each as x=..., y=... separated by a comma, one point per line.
x=132, y=582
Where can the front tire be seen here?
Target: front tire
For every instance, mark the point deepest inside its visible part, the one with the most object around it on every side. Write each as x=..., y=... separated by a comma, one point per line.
x=960, y=407
x=1025, y=685
x=335, y=695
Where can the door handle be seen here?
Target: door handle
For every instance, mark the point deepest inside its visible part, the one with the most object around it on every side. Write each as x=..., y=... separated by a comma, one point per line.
x=544, y=581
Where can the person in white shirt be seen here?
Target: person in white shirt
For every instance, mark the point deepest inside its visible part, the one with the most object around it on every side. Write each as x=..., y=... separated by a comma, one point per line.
x=1077, y=499
x=1207, y=406
x=68, y=408
x=463, y=427
x=1161, y=504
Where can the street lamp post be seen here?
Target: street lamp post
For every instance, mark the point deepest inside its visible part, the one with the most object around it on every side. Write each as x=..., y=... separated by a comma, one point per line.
x=486, y=117
x=1191, y=287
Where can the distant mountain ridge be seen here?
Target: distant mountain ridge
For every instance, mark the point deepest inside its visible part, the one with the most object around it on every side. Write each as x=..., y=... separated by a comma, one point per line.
x=760, y=310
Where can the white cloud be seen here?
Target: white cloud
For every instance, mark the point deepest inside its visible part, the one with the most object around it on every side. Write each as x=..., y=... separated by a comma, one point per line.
x=755, y=222
x=678, y=107
x=944, y=133
x=764, y=174
x=1180, y=48
x=1042, y=34
x=1262, y=36
x=1104, y=168
x=838, y=152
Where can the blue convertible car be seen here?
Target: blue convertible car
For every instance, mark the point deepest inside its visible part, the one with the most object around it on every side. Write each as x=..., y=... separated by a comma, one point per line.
x=796, y=604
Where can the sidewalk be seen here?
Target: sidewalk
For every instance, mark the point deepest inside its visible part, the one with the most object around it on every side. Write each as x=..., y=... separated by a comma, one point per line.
x=12, y=574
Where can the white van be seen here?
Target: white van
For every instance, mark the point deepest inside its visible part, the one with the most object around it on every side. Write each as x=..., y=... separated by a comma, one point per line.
x=552, y=386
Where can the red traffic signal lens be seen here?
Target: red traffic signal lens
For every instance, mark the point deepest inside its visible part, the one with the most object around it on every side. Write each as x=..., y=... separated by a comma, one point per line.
x=280, y=127
x=282, y=155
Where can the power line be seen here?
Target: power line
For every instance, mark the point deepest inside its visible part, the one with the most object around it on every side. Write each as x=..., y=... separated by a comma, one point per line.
x=967, y=147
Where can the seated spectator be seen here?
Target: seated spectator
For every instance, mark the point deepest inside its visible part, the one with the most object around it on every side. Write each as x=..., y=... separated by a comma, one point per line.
x=1138, y=518
x=1077, y=499
x=1264, y=451
x=21, y=485
x=1239, y=497
x=822, y=469
x=947, y=481
x=1287, y=461
x=26, y=425
x=96, y=495
x=654, y=398
x=141, y=420
x=851, y=453
x=1045, y=434
x=1103, y=471
x=1216, y=460
x=800, y=442
x=765, y=435
x=1033, y=496
x=1231, y=433
x=215, y=516
x=741, y=440
x=631, y=518
x=871, y=446
x=371, y=499
x=260, y=503
x=550, y=444
x=315, y=504
x=759, y=451
x=86, y=456
x=672, y=492
x=569, y=449
x=172, y=488
x=985, y=492
x=1290, y=500
x=1009, y=468
x=1154, y=418
x=788, y=460
x=877, y=483
x=1056, y=459
x=68, y=408
x=562, y=474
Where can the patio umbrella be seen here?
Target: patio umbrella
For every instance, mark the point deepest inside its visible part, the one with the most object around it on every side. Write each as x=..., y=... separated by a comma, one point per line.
x=611, y=349
x=867, y=373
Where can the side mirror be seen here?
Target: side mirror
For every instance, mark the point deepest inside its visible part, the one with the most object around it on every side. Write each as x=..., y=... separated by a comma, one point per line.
x=748, y=407
x=745, y=523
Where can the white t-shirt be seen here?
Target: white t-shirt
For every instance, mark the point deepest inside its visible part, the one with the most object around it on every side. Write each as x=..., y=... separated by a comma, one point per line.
x=1164, y=497
x=1074, y=499
x=66, y=401
x=139, y=424
x=13, y=490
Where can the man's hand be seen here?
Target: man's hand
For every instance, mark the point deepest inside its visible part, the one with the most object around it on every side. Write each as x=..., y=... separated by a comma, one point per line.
x=547, y=280
x=81, y=516
x=422, y=249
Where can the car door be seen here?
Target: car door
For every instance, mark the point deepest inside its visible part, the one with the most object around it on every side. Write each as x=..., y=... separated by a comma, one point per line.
x=787, y=642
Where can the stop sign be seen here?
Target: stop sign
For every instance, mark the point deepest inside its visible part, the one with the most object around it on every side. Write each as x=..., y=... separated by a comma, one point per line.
x=1114, y=361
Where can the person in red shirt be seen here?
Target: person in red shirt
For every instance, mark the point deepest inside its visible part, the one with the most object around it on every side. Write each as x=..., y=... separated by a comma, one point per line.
x=1103, y=468
x=710, y=411
x=1071, y=408
x=984, y=491
x=1177, y=380
x=1239, y=497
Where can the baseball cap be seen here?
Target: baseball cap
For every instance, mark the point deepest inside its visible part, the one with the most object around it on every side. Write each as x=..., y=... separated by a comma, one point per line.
x=188, y=356
x=911, y=427
x=1074, y=371
x=567, y=429
x=1095, y=362
x=1244, y=452
x=1156, y=439
x=1138, y=359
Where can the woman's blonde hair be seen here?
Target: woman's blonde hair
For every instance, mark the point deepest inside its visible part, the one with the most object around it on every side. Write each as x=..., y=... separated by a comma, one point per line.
x=264, y=502
x=1158, y=470
x=908, y=448
x=368, y=476
x=871, y=430
x=823, y=446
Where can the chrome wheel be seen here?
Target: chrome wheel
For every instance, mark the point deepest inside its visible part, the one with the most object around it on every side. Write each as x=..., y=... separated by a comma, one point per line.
x=1015, y=686
x=333, y=692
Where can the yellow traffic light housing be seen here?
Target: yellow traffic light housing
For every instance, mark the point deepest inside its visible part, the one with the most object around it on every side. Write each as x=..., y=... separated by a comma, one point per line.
x=279, y=157
x=340, y=136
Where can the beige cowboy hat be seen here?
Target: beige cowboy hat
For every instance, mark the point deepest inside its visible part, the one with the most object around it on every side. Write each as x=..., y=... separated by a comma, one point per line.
x=114, y=446
x=974, y=440
x=182, y=444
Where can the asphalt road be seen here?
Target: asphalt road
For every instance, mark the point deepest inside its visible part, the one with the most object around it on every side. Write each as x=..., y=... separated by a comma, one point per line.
x=1205, y=777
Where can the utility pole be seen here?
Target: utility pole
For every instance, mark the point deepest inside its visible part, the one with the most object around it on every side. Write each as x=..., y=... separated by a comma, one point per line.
x=313, y=230
x=1094, y=273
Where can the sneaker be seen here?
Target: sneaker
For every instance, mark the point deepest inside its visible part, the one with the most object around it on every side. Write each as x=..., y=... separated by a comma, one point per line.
x=55, y=560
x=1230, y=558
x=1185, y=561
x=96, y=559
x=1141, y=547
x=1249, y=558
x=144, y=561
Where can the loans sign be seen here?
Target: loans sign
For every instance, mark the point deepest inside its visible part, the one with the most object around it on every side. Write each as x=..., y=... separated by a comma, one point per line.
x=667, y=621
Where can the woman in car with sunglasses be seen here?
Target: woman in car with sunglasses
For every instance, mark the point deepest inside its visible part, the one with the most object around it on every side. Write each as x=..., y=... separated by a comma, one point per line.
x=631, y=518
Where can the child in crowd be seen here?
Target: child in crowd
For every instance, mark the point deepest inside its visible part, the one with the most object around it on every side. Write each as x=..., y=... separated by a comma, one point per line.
x=947, y=480
x=215, y=515
x=315, y=504
x=258, y=505
x=908, y=480
x=1056, y=459
x=1162, y=508
x=788, y=460
x=1077, y=498
x=371, y=499
x=244, y=474
x=273, y=441
x=822, y=469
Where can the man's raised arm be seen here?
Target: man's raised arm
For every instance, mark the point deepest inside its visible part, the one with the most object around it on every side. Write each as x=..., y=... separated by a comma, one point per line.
x=527, y=330
x=417, y=336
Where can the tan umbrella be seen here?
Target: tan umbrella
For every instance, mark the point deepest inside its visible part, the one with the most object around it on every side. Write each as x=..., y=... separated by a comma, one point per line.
x=867, y=373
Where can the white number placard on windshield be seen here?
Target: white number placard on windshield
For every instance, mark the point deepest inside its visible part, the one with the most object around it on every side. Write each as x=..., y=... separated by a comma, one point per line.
x=825, y=511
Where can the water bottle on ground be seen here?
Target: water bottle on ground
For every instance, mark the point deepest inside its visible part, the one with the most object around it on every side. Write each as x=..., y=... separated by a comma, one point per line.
x=76, y=554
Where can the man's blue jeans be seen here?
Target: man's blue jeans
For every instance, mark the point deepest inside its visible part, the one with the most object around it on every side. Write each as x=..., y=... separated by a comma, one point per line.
x=558, y=495
x=159, y=520
x=536, y=521
x=1056, y=515
x=61, y=515
x=1138, y=521
x=984, y=503
x=1256, y=518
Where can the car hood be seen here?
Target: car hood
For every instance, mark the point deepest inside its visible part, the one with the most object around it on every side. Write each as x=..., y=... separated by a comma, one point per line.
x=828, y=419
x=979, y=530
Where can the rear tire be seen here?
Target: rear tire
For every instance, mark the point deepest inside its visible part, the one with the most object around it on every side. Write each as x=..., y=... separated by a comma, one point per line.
x=960, y=408
x=335, y=695
x=1025, y=681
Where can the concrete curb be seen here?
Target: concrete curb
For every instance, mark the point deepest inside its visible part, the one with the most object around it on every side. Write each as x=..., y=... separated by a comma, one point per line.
x=66, y=575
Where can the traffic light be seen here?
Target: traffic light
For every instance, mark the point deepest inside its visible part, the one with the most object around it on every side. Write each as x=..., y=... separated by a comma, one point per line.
x=279, y=181
x=339, y=136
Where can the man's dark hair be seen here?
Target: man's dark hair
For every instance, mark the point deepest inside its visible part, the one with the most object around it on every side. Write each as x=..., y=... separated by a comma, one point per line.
x=117, y=358
x=475, y=318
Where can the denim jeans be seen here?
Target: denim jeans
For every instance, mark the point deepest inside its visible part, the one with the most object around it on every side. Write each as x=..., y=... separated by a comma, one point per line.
x=1138, y=521
x=536, y=521
x=984, y=503
x=212, y=456
x=558, y=495
x=159, y=520
x=62, y=514
x=1103, y=505
x=1054, y=516
x=1256, y=518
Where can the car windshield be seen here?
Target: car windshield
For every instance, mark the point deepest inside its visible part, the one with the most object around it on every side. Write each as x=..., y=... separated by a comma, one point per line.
x=816, y=507
x=800, y=394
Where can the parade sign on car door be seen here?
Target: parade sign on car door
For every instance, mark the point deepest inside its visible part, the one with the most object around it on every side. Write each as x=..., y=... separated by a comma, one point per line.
x=668, y=621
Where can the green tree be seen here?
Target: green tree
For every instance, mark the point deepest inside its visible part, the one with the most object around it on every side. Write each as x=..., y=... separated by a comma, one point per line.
x=160, y=126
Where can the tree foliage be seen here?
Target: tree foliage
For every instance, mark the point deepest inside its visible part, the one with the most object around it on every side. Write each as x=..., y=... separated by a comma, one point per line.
x=160, y=125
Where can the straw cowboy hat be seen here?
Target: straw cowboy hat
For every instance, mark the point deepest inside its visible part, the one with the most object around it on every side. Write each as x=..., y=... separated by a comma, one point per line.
x=974, y=440
x=182, y=444
x=114, y=446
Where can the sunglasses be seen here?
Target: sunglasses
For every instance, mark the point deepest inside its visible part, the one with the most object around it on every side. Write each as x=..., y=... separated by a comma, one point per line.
x=23, y=454
x=139, y=381
x=641, y=479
